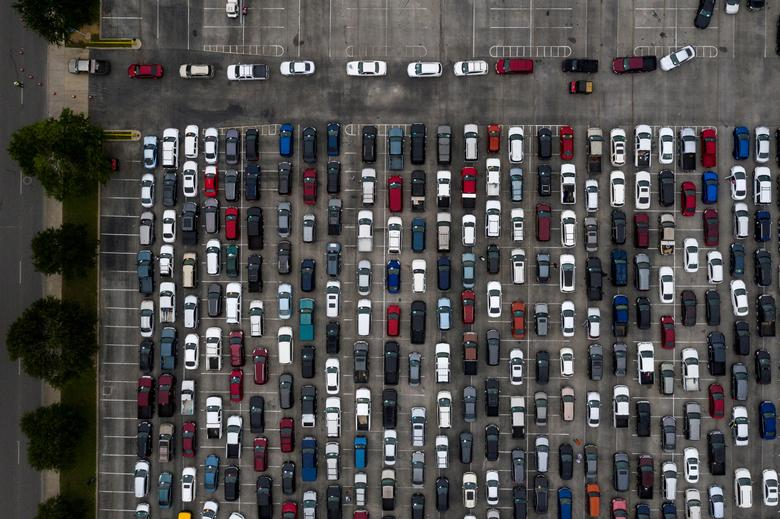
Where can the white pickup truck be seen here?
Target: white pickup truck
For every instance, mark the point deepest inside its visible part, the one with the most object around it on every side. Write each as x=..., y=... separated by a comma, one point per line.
x=363, y=409
x=394, y=232
x=442, y=363
x=333, y=416
x=493, y=177
x=214, y=417
x=187, y=397
x=167, y=302
x=96, y=67
x=365, y=231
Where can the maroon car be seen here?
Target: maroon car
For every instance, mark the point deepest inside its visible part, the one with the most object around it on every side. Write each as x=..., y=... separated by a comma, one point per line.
x=632, y=64
x=261, y=453
x=711, y=227
x=287, y=434
x=236, y=342
x=514, y=66
x=641, y=230
x=189, y=433
x=667, y=332
x=543, y=222
x=165, y=394
x=260, y=361
x=145, y=397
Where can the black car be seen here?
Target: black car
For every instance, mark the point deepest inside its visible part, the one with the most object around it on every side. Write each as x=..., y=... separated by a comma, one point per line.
x=666, y=188
x=704, y=14
x=418, y=317
x=251, y=182
x=688, y=307
x=643, y=313
x=618, y=227
x=334, y=217
x=308, y=353
x=716, y=452
x=443, y=272
x=544, y=144
x=263, y=491
x=251, y=139
x=418, y=506
x=333, y=501
x=491, y=396
x=232, y=146
x=491, y=442
x=566, y=461
x=589, y=66
x=466, y=443
x=643, y=418
x=493, y=258
x=214, y=300
x=541, y=489
x=741, y=338
x=288, y=478
x=763, y=365
x=310, y=145
x=544, y=180
x=189, y=223
x=144, y=262
x=594, y=278
x=232, y=483
x=283, y=257
x=442, y=495
x=519, y=502
x=333, y=183
x=360, y=361
x=737, y=259
x=493, y=341
x=389, y=408
x=332, y=337
x=257, y=414
x=716, y=354
x=144, y=439
x=418, y=143
x=542, y=367
x=369, y=143
x=254, y=269
x=170, y=189
x=308, y=275
x=254, y=228
x=762, y=267
x=146, y=356
x=392, y=362
x=755, y=5
x=285, y=391
x=284, y=179
x=712, y=307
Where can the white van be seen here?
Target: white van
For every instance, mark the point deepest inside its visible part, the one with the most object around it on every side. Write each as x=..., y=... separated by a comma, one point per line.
x=743, y=488
x=368, y=179
x=233, y=303
x=470, y=134
x=418, y=276
x=364, y=317
x=141, y=478
x=191, y=141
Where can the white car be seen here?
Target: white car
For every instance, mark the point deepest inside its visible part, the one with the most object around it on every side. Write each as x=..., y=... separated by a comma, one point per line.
x=568, y=228
x=542, y=448
x=189, y=484
x=424, y=69
x=516, y=366
x=515, y=137
x=714, y=267
x=191, y=351
x=617, y=188
x=494, y=299
x=390, y=445
x=169, y=226
x=492, y=219
x=741, y=220
x=690, y=369
x=332, y=376
x=284, y=339
x=669, y=480
x=717, y=502
x=731, y=6
x=693, y=505
x=739, y=299
x=475, y=67
x=665, y=145
x=231, y=8
x=567, y=273
x=394, y=231
x=147, y=190
x=593, y=404
x=518, y=224
x=332, y=299
x=762, y=144
x=191, y=314
x=442, y=451
x=743, y=488
x=284, y=300
x=691, y=254
x=691, y=464
x=469, y=229
x=211, y=145
x=762, y=185
x=297, y=68
x=567, y=319
x=191, y=141
x=645, y=363
x=213, y=255
x=146, y=317
x=256, y=314
x=643, y=146
x=518, y=266
x=677, y=58
x=593, y=323
x=492, y=484
x=738, y=180
x=367, y=68
x=591, y=195
x=642, y=190
x=566, y=358
x=247, y=72
x=419, y=268
x=739, y=425
x=469, y=490
x=769, y=482
x=617, y=145
x=189, y=179
x=142, y=475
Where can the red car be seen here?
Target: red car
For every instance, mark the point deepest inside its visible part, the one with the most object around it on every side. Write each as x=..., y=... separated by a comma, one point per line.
x=210, y=183
x=142, y=71
x=166, y=384
x=514, y=66
x=232, y=225
x=641, y=230
x=145, y=397
x=260, y=361
x=667, y=332
x=518, y=320
x=494, y=138
x=631, y=64
x=543, y=222
x=393, y=320
x=360, y=514
x=395, y=194
x=236, y=342
x=619, y=508
x=709, y=147
x=567, y=142
x=711, y=227
x=189, y=431
x=688, y=198
x=287, y=434
x=469, y=300
x=261, y=453
x=236, y=385
x=289, y=510
x=717, y=401
x=310, y=186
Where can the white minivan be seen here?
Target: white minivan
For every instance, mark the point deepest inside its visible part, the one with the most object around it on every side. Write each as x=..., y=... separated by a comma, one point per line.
x=141, y=478
x=233, y=303
x=418, y=276
x=213, y=252
x=470, y=135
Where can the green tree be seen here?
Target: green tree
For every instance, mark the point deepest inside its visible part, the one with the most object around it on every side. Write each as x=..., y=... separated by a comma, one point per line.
x=54, y=20
x=65, y=154
x=68, y=250
x=53, y=432
x=54, y=339
x=62, y=506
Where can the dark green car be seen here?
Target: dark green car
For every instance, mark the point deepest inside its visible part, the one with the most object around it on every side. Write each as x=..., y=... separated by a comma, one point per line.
x=232, y=261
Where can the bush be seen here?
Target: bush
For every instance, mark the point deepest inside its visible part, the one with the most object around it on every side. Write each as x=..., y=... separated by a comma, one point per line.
x=62, y=506
x=53, y=433
x=68, y=250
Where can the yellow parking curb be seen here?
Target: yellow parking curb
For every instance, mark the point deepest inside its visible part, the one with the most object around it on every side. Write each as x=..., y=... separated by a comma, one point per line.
x=115, y=43
x=121, y=135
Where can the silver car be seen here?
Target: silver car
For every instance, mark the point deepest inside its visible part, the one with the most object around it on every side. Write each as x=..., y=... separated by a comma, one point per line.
x=418, y=468
x=284, y=297
x=284, y=219
x=642, y=271
x=364, y=277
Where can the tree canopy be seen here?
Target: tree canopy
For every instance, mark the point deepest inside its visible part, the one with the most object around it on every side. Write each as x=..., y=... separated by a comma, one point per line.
x=53, y=432
x=62, y=506
x=54, y=339
x=54, y=20
x=64, y=154
x=68, y=250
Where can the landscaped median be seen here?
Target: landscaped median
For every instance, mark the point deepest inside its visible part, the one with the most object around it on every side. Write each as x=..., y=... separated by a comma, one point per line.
x=114, y=43
x=121, y=135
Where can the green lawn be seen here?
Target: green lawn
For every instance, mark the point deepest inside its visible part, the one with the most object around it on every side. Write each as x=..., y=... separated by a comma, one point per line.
x=80, y=480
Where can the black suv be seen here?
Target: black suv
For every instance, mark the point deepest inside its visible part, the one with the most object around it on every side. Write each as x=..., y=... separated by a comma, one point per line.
x=254, y=228
x=618, y=227
x=491, y=396
x=643, y=313
x=255, y=273
x=418, y=322
x=284, y=180
x=251, y=182
x=712, y=307
x=369, y=143
x=762, y=267
x=544, y=145
x=392, y=363
x=666, y=188
x=310, y=145
x=741, y=338
x=333, y=177
x=389, y=408
x=170, y=183
x=716, y=353
x=333, y=337
x=593, y=276
x=643, y=418
x=418, y=143
x=250, y=144
x=716, y=453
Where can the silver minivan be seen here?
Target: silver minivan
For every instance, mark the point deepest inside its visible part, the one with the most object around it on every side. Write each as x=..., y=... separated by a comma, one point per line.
x=692, y=422
x=642, y=271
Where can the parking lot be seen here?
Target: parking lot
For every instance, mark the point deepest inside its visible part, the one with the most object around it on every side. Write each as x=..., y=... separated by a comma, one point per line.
x=703, y=94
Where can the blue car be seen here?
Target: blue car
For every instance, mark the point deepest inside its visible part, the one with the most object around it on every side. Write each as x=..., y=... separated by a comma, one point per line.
x=393, y=276
x=768, y=424
x=620, y=316
x=642, y=511
x=763, y=223
x=334, y=139
x=360, y=452
x=211, y=477
x=443, y=272
x=709, y=187
x=309, y=459
x=418, y=235
x=741, y=143
x=564, y=503
x=619, y=264
x=668, y=510
x=286, y=138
